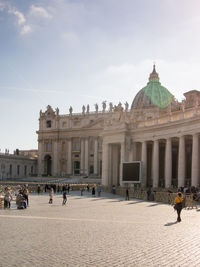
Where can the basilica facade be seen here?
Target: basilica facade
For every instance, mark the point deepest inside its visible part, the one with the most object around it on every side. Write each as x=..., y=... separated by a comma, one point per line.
x=156, y=130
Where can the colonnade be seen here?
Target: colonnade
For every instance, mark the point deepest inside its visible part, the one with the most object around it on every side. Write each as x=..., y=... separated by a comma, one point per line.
x=179, y=163
x=168, y=161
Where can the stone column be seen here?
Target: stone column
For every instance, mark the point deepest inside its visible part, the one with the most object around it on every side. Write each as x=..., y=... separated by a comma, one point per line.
x=181, y=162
x=96, y=156
x=55, y=158
x=155, y=164
x=40, y=155
x=105, y=164
x=134, y=151
x=69, y=157
x=144, y=163
x=86, y=156
x=82, y=157
x=122, y=160
x=195, y=160
x=168, y=163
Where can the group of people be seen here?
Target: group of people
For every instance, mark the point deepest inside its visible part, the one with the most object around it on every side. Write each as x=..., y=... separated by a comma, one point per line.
x=22, y=197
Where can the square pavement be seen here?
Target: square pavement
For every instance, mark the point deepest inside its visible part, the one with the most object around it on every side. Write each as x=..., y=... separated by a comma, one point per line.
x=98, y=231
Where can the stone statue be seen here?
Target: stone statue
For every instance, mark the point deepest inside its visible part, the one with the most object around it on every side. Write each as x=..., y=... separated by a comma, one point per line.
x=183, y=105
x=88, y=108
x=83, y=109
x=40, y=112
x=104, y=106
x=111, y=106
x=126, y=106
x=70, y=110
x=57, y=111
x=96, y=107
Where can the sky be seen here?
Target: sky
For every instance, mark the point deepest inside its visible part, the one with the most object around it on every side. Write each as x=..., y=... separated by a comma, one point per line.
x=76, y=52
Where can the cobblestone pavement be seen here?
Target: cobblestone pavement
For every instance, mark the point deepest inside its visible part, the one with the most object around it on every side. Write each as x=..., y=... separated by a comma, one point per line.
x=93, y=231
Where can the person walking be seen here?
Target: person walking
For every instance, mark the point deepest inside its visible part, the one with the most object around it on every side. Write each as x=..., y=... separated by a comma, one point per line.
x=51, y=196
x=64, y=197
x=178, y=205
x=99, y=190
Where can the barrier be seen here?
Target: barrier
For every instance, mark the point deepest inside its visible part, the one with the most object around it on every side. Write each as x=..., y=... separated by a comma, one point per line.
x=1, y=202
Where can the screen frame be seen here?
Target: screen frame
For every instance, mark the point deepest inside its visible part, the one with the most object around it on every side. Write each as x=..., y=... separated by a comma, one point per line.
x=140, y=173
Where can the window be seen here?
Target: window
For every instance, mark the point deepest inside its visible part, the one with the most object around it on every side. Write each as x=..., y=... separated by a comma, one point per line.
x=91, y=145
x=31, y=169
x=25, y=170
x=76, y=145
x=91, y=169
x=48, y=124
x=48, y=147
x=3, y=167
x=10, y=169
x=18, y=169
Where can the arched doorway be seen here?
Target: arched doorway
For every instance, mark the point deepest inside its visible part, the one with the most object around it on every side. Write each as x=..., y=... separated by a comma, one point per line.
x=47, y=165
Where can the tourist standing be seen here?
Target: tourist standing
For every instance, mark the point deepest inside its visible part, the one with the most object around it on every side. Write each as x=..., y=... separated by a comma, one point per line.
x=178, y=205
x=7, y=198
x=93, y=191
x=25, y=194
x=38, y=189
x=51, y=195
x=127, y=194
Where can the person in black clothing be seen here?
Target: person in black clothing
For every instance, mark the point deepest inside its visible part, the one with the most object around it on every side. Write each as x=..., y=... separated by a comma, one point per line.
x=127, y=194
x=93, y=191
x=38, y=189
x=64, y=197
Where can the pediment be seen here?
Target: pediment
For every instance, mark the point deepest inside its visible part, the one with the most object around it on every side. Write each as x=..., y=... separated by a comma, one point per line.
x=49, y=111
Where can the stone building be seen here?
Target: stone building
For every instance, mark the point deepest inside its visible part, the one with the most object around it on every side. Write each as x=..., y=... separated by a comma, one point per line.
x=157, y=130
x=17, y=166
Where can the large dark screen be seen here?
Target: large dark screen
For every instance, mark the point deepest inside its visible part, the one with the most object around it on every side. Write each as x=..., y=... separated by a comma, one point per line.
x=131, y=171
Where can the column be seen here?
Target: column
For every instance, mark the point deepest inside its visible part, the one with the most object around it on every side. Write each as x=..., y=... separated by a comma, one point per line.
x=82, y=157
x=86, y=156
x=55, y=158
x=134, y=153
x=69, y=157
x=155, y=164
x=181, y=161
x=96, y=156
x=168, y=163
x=195, y=160
x=122, y=160
x=105, y=164
x=144, y=164
x=40, y=154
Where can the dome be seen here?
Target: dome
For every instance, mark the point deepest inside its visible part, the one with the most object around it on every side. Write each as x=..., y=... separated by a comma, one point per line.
x=153, y=94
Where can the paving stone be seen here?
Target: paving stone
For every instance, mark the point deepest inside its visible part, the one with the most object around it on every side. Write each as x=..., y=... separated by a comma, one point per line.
x=106, y=231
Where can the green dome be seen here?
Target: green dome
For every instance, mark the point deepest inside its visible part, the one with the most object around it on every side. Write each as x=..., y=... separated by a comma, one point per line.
x=154, y=94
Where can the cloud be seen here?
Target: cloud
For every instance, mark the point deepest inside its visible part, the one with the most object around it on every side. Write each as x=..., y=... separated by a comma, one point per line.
x=26, y=29
x=20, y=16
x=39, y=12
x=2, y=6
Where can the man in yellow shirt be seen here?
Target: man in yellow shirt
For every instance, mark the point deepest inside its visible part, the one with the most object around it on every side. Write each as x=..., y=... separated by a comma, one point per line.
x=178, y=205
